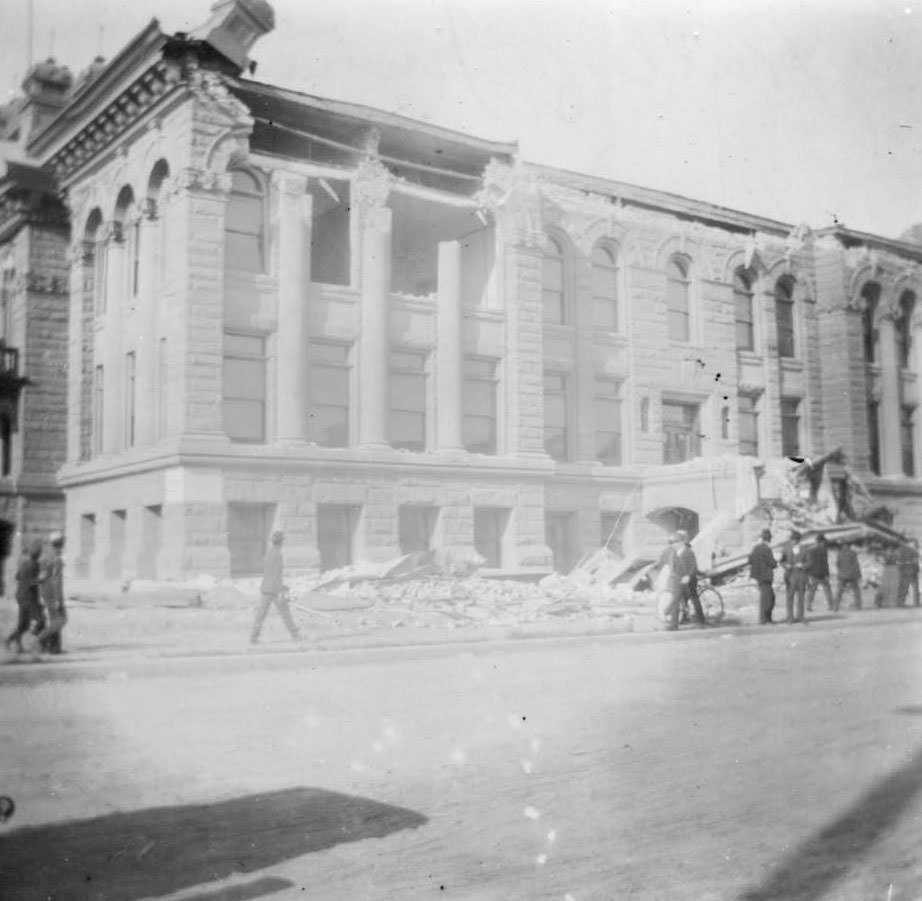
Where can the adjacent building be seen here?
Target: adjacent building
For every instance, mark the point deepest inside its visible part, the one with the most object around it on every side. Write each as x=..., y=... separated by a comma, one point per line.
x=383, y=336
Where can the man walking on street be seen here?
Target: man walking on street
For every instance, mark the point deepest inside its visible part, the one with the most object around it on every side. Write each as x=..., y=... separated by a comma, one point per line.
x=49, y=638
x=686, y=576
x=908, y=562
x=273, y=590
x=848, y=571
x=818, y=572
x=30, y=608
x=762, y=565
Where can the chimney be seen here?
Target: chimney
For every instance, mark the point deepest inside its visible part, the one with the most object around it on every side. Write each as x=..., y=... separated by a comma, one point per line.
x=234, y=27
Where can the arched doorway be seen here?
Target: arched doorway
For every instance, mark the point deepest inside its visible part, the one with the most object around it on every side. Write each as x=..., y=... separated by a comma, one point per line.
x=671, y=519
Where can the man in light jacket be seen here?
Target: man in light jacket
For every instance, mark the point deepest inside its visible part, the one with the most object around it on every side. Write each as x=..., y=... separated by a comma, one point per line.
x=273, y=590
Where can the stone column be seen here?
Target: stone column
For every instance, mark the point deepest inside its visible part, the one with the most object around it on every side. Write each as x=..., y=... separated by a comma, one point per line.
x=891, y=452
x=292, y=324
x=450, y=354
x=112, y=357
x=80, y=351
x=371, y=188
x=915, y=364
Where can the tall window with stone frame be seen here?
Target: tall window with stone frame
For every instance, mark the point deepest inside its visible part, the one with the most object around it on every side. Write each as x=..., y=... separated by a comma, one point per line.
x=330, y=231
x=6, y=444
x=678, y=300
x=743, y=310
x=747, y=414
x=336, y=525
x=907, y=439
x=784, y=317
x=490, y=525
x=604, y=288
x=681, y=431
x=904, y=330
x=133, y=254
x=553, y=283
x=244, y=406
x=329, y=393
x=130, y=398
x=870, y=336
x=608, y=424
x=556, y=417
x=6, y=306
x=99, y=387
x=790, y=426
x=408, y=400
x=101, y=268
x=244, y=224
x=479, y=427
x=873, y=410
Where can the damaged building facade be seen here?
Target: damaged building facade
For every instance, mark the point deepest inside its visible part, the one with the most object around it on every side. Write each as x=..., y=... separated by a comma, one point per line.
x=382, y=336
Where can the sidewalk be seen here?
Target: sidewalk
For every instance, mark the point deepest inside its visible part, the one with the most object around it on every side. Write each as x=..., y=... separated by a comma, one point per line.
x=112, y=627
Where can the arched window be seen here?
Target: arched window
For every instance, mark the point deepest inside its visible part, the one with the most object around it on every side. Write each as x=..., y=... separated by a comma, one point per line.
x=553, y=294
x=784, y=316
x=743, y=310
x=244, y=224
x=157, y=250
x=870, y=297
x=94, y=271
x=604, y=288
x=128, y=231
x=904, y=329
x=678, y=300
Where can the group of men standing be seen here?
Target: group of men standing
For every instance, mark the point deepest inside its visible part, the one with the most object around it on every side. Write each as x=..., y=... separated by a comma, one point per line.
x=807, y=568
x=40, y=596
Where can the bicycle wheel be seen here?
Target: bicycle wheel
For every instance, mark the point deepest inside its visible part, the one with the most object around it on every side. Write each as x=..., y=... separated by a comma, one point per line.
x=712, y=604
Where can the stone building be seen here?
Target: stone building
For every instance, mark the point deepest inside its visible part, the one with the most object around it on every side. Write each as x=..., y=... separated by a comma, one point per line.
x=34, y=239
x=384, y=336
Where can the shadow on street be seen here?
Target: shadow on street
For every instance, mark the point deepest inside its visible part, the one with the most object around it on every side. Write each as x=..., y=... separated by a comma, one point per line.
x=828, y=855
x=161, y=850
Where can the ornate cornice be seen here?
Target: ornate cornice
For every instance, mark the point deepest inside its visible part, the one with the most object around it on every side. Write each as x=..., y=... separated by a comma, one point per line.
x=113, y=120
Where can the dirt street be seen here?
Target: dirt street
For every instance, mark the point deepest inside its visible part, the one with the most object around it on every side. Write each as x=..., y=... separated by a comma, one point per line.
x=781, y=764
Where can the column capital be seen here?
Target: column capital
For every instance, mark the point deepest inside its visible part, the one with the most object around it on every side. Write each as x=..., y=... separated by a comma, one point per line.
x=372, y=187
x=194, y=179
x=294, y=184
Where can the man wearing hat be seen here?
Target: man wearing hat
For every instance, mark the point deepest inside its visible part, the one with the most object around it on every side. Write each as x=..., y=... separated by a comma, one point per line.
x=848, y=573
x=794, y=563
x=818, y=573
x=762, y=565
x=686, y=580
x=52, y=587
x=273, y=590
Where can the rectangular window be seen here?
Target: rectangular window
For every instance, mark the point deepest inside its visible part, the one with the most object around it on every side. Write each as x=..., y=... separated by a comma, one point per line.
x=134, y=258
x=613, y=527
x=336, y=524
x=489, y=534
x=244, y=387
x=556, y=433
x=874, y=437
x=6, y=307
x=784, y=320
x=559, y=536
x=162, y=390
x=552, y=291
x=100, y=267
x=330, y=235
x=907, y=443
x=748, y=418
x=151, y=541
x=608, y=422
x=130, y=398
x=745, y=330
x=681, y=432
x=98, y=408
x=790, y=426
x=416, y=526
x=480, y=394
x=118, y=528
x=408, y=401
x=330, y=391
x=87, y=542
x=247, y=537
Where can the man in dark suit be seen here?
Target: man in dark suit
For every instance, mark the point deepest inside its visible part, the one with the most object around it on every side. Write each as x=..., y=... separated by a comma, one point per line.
x=818, y=572
x=794, y=562
x=848, y=571
x=686, y=576
x=762, y=565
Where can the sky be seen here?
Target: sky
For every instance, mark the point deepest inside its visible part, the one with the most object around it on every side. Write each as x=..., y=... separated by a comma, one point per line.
x=799, y=111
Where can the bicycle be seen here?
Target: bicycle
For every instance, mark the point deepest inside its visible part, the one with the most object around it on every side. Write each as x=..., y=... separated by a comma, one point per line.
x=712, y=603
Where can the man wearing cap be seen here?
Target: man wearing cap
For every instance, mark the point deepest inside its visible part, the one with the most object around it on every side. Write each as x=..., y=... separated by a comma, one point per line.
x=794, y=563
x=273, y=590
x=686, y=580
x=762, y=565
x=848, y=573
x=52, y=587
x=818, y=572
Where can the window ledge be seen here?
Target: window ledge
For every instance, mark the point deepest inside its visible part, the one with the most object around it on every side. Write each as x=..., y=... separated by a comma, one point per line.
x=749, y=356
x=792, y=364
